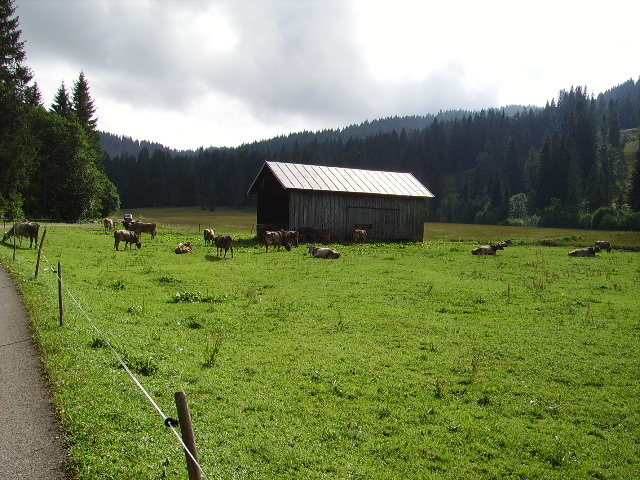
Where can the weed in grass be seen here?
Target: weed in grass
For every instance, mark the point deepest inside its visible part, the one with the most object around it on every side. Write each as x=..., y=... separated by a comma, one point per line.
x=438, y=391
x=99, y=343
x=193, y=297
x=168, y=279
x=194, y=322
x=213, y=349
x=117, y=285
x=140, y=364
x=135, y=310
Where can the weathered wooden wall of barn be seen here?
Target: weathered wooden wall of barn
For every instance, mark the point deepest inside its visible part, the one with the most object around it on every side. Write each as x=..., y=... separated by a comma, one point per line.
x=393, y=218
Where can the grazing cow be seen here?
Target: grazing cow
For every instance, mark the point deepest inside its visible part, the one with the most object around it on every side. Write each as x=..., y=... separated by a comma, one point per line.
x=584, y=252
x=109, y=224
x=604, y=245
x=315, y=234
x=276, y=238
x=140, y=227
x=126, y=236
x=127, y=223
x=209, y=237
x=292, y=237
x=359, y=234
x=24, y=229
x=318, y=252
x=184, y=248
x=224, y=242
x=261, y=228
x=487, y=249
x=506, y=243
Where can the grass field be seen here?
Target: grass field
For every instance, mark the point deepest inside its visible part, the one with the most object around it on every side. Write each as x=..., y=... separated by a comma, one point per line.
x=396, y=361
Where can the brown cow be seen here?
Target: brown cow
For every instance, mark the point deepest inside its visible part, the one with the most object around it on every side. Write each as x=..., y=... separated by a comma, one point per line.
x=24, y=229
x=292, y=237
x=276, y=238
x=109, y=224
x=127, y=237
x=487, y=249
x=209, y=236
x=140, y=227
x=224, y=242
x=604, y=245
x=359, y=234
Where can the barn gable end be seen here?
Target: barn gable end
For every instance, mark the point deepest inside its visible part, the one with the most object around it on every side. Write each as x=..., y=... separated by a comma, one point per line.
x=292, y=196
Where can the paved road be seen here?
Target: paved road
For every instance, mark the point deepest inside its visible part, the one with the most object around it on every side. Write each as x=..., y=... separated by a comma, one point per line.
x=30, y=441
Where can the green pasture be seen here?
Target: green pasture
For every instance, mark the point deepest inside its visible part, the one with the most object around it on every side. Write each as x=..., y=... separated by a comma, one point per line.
x=396, y=361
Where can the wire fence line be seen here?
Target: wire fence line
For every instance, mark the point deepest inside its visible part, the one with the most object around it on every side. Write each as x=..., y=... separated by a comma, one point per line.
x=168, y=421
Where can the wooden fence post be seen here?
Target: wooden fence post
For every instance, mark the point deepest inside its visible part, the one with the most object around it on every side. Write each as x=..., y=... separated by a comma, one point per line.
x=14, y=241
x=60, y=295
x=187, y=435
x=40, y=251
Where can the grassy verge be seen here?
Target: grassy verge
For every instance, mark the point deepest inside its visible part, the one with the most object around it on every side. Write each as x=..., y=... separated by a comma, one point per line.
x=394, y=361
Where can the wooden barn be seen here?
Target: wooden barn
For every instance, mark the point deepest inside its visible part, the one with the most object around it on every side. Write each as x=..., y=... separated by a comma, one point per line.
x=293, y=196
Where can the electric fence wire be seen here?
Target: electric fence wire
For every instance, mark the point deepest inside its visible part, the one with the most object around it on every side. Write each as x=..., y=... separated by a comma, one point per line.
x=167, y=420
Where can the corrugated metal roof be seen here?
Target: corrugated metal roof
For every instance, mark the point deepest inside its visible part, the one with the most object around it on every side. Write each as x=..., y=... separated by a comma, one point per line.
x=349, y=180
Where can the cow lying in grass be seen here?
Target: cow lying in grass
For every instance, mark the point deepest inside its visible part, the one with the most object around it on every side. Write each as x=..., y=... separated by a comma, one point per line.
x=209, y=236
x=604, y=245
x=224, y=242
x=318, y=252
x=126, y=236
x=487, y=249
x=24, y=229
x=584, y=252
x=184, y=248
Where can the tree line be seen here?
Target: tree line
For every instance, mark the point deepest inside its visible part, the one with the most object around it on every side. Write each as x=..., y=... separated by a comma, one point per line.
x=561, y=165
x=51, y=161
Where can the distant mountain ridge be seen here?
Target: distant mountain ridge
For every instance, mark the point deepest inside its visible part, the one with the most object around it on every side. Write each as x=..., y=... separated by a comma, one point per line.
x=117, y=145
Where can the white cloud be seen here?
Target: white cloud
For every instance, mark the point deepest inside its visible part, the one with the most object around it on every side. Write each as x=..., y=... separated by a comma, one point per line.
x=200, y=73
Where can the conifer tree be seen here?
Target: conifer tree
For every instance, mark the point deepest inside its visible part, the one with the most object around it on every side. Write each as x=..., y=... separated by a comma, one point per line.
x=634, y=185
x=15, y=146
x=62, y=103
x=83, y=104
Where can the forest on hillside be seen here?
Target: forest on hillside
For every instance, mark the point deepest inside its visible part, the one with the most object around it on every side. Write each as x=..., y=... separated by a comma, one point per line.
x=561, y=165
x=50, y=159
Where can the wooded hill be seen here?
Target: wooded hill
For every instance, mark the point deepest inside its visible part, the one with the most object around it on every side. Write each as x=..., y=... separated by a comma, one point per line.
x=561, y=165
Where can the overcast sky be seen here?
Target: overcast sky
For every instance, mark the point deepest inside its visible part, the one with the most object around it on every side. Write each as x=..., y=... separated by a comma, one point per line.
x=189, y=73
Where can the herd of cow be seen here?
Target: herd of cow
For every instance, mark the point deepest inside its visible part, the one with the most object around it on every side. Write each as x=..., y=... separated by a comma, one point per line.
x=133, y=231
x=132, y=235
x=578, y=252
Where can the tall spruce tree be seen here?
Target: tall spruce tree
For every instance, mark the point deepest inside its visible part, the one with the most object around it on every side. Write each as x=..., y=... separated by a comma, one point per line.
x=83, y=104
x=15, y=145
x=62, y=103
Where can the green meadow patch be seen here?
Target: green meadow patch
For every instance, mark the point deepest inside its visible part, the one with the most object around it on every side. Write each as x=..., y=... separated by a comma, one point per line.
x=409, y=361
